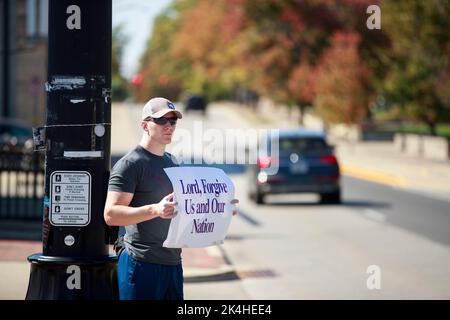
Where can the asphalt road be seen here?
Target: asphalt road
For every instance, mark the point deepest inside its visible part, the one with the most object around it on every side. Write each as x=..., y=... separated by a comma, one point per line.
x=421, y=214
x=295, y=248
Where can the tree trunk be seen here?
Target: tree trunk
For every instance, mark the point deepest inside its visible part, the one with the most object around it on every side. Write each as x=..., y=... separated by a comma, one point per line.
x=432, y=128
x=301, y=108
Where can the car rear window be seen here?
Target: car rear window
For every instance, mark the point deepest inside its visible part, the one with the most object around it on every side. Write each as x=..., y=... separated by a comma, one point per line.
x=303, y=145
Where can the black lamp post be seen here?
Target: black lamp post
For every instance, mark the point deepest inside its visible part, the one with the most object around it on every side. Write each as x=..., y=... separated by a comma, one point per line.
x=75, y=262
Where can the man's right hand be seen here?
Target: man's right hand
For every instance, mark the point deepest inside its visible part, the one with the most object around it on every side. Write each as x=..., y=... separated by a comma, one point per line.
x=165, y=209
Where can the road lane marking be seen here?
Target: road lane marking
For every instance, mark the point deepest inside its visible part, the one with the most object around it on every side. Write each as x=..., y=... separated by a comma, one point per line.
x=428, y=194
x=374, y=215
x=373, y=176
x=249, y=219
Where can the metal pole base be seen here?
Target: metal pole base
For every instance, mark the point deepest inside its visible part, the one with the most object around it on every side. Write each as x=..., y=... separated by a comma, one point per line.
x=64, y=278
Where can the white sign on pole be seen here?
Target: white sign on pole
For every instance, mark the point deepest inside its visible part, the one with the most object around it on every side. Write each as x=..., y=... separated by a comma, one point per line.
x=204, y=206
x=70, y=198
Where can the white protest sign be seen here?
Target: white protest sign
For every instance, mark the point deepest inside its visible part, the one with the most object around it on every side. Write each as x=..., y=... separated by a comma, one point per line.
x=204, y=210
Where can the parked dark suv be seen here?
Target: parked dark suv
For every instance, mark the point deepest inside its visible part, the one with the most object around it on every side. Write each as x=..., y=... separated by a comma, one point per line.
x=306, y=164
x=196, y=102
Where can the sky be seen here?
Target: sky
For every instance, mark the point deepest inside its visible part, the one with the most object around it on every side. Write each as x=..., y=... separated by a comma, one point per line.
x=137, y=17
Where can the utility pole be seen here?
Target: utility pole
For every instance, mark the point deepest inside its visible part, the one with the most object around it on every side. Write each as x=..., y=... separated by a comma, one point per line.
x=75, y=262
x=5, y=57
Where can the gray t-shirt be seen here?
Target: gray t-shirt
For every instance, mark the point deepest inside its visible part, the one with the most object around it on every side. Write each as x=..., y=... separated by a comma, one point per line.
x=141, y=172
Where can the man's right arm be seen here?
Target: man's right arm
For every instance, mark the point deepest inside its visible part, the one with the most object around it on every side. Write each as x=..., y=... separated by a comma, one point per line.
x=118, y=213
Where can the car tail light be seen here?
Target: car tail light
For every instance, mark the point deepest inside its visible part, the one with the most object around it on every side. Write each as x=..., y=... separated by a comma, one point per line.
x=262, y=177
x=330, y=159
x=264, y=162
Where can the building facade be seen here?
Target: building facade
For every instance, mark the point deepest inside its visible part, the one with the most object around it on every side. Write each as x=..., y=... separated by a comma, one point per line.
x=23, y=63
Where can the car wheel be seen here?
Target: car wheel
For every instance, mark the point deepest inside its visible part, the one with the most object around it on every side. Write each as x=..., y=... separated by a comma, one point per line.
x=331, y=198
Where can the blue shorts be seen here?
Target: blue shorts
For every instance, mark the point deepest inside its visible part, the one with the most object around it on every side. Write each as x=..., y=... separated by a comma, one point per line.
x=148, y=281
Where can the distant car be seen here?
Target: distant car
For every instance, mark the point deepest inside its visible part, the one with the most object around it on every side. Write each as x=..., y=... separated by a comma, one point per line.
x=196, y=103
x=306, y=164
x=15, y=135
x=16, y=145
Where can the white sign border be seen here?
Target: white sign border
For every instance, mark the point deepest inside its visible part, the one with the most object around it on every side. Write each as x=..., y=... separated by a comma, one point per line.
x=51, y=200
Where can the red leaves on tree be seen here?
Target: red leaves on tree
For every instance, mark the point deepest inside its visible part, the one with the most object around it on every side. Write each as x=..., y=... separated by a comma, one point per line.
x=342, y=93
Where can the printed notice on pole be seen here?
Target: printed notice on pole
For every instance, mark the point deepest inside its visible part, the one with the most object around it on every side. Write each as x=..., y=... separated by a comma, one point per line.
x=203, y=197
x=70, y=198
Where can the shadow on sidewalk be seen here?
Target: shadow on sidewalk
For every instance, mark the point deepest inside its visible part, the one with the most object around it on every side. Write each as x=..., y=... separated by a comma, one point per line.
x=226, y=276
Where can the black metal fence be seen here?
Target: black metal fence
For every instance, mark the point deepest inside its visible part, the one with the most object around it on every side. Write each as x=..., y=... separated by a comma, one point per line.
x=21, y=184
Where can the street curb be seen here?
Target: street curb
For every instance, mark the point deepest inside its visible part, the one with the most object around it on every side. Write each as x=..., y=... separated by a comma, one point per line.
x=223, y=273
x=374, y=175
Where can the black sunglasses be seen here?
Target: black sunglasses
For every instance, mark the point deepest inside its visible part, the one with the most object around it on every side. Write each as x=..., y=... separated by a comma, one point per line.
x=163, y=120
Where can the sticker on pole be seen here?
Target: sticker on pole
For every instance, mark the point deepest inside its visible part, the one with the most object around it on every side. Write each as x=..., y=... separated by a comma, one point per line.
x=70, y=198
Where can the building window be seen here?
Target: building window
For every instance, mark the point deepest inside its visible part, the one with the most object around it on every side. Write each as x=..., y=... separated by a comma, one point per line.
x=43, y=21
x=37, y=18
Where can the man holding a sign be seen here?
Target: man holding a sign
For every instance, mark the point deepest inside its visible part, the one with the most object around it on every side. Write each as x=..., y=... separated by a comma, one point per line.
x=141, y=198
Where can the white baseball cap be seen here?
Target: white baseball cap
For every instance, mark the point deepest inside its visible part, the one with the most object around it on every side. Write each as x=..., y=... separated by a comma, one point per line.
x=157, y=107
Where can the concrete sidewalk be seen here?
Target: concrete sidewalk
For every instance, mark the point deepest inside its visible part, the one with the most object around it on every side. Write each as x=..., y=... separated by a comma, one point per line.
x=380, y=162
x=199, y=265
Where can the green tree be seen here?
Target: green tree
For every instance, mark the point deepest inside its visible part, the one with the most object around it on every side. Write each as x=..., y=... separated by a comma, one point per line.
x=289, y=41
x=419, y=59
x=163, y=72
x=211, y=43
